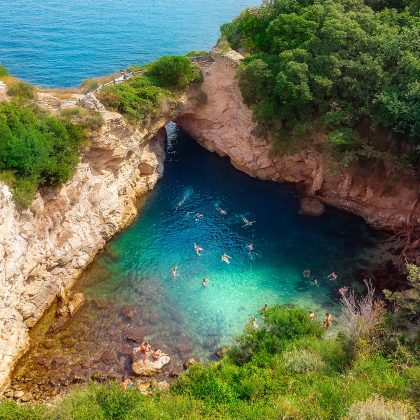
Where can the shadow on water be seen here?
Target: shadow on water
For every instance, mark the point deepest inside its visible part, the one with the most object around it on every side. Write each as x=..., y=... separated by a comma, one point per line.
x=131, y=294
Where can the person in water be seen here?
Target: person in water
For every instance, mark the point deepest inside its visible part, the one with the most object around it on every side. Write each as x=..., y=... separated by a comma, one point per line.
x=199, y=215
x=205, y=282
x=198, y=249
x=254, y=323
x=250, y=246
x=221, y=211
x=327, y=321
x=174, y=272
x=332, y=276
x=248, y=222
x=306, y=272
x=225, y=258
x=263, y=309
x=311, y=315
x=314, y=281
x=144, y=349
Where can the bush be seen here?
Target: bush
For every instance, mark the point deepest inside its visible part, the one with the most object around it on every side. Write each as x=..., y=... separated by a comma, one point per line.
x=9, y=410
x=37, y=149
x=173, y=72
x=3, y=71
x=302, y=361
x=377, y=408
x=21, y=90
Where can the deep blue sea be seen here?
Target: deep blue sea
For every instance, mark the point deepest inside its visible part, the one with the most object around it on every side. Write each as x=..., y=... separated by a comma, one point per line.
x=59, y=43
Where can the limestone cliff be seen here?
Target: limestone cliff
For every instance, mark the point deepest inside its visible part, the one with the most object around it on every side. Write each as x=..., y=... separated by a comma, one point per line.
x=224, y=125
x=44, y=249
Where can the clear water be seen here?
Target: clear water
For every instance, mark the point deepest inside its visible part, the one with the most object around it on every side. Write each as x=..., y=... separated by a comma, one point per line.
x=284, y=245
x=60, y=43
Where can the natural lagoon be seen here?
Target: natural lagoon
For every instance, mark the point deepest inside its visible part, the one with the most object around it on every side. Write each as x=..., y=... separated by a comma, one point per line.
x=132, y=294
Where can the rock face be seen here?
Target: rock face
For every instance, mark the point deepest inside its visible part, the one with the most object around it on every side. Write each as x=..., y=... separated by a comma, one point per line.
x=148, y=367
x=44, y=249
x=224, y=125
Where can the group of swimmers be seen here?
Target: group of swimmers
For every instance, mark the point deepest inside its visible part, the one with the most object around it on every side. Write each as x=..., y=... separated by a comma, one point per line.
x=145, y=349
x=307, y=273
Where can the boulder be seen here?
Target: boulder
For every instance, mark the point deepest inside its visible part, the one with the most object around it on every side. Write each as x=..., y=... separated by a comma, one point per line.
x=149, y=367
x=311, y=206
x=75, y=303
x=108, y=357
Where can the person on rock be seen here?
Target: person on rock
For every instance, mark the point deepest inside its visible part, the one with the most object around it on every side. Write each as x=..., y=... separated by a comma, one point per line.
x=157, y=354
x=144, y=349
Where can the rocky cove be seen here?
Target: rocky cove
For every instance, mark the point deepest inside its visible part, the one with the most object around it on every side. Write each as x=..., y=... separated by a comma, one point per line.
x=44, y=250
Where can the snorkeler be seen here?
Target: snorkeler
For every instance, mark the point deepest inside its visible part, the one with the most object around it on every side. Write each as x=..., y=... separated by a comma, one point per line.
x=314, y=281
x=250, y=246
x=327, y=321
x=306, y=272
x=205, y=282
x=332, y=276
x=198, y=249
x=221, y=211
x=174, y=272
x=248, y=222
x=225, y=258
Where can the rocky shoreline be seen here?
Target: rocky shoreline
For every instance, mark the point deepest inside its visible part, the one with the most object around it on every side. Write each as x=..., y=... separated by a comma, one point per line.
x=44, y=250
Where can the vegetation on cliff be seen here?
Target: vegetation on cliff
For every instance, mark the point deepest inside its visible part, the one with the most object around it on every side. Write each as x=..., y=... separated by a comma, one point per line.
x=35, y=149
x=286, y=368
x=349, y=65
x=143, y=96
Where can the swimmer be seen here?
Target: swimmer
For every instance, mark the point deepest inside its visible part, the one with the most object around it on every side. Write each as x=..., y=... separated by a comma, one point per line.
x=221, y=211
x=250, y=246
x=225, y=258
x=314, y=281
x=205, y=282
x=180, y=204
x=311, y=315
x=332, y=276
x=343, y=291
x=199, y=215
x=198, y=249
x=248, y=222
x=174, y=273
x=254, y=323
x=265, y=307
x=327, y=321
x=306, y=272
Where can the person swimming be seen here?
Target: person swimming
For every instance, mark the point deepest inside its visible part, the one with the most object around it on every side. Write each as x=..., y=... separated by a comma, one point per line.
x=250, y=246
x=221, y=211
x=174, y=272
x=248, y=222
x=198, y=249
x=306, y=272
x=332, y=276
x=311, y=315
x=181, y=203
x=327, y=321
x=314, y=281
x=225, y=258
x=198, y=215
x=205, y=282
x=254, y=323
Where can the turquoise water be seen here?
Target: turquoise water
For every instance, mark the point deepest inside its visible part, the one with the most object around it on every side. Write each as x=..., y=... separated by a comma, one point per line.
x=137, y=264
x=60, y=43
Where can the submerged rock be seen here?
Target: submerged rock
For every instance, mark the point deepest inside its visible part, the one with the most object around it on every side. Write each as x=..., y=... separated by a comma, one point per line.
x=134, y=334
x=148, y=367
x=191, y=362
x=311, y=206
x=129, y=311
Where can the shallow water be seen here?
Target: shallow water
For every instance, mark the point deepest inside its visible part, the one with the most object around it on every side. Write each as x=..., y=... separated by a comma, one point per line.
x=179, y=315
x=60, y=43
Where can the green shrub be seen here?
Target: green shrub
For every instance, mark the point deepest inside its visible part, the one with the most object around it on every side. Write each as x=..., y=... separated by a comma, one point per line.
x=21, y=90
x=3, y=71
x=9, y=410
x=37, y=149
x=173, y=72
x=302, y=361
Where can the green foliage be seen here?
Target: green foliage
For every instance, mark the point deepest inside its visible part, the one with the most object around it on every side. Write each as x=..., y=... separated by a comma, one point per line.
x=11, y=411
x=21, y=90
x=36, y=149
x=3, y=71
x=173, y=72
x=302, y=361
x=142, y=97
x=340, y=61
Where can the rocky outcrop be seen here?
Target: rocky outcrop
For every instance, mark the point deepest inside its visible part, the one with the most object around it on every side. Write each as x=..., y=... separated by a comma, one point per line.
x=44, y=249
x=150, y=367
x=224, y=125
